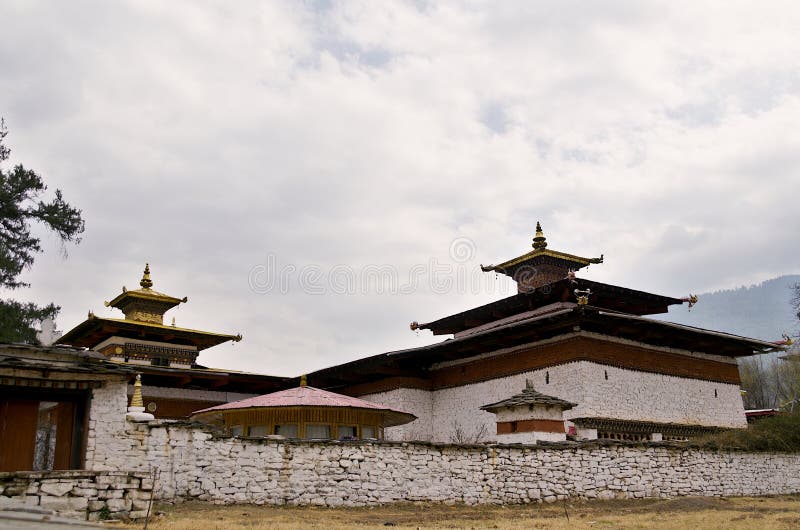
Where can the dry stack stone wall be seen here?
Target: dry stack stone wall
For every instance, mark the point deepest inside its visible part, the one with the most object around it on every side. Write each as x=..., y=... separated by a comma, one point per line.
x=193, y=463
x=91, y=495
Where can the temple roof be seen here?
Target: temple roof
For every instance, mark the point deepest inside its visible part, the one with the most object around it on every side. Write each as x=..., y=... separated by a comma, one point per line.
x=529, y=396
x=94, y=330
x=306, y=396
x=601, y=295
x=129, y=301
x=541, y=253
x=567, y=319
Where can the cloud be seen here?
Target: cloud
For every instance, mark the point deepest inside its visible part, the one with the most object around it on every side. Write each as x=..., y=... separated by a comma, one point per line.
x=205, y=138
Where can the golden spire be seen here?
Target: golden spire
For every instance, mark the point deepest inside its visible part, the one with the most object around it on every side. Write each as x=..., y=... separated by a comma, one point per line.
x=539, y=242
x=136, y=399
x=146, y=282
x=303, y=380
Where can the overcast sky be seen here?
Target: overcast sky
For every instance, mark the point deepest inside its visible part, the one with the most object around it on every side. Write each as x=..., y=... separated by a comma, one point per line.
x=232, y=144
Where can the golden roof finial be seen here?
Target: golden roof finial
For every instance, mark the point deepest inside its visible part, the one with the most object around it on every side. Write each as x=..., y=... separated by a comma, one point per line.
x=303, y=381
x=136, y=399
x=539, y=242
x=146, y=282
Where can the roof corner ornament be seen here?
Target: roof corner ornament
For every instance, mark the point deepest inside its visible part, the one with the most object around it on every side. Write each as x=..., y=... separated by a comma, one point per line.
x=414, y=326
x=91, y=314
x=787, y=340
x=237, y=338
x=303, y=380
x=692, y=299
x=597, y=260
x=583, y=296
x=539, y=242
x=146, y=282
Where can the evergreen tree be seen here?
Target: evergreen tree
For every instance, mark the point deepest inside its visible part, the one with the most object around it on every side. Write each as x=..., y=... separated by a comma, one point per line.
x=21, y=205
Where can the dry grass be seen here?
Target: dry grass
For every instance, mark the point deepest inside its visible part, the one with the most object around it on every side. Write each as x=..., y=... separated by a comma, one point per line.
x=689, y=512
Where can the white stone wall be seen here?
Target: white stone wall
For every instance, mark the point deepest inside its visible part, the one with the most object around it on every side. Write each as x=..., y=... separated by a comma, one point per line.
x=192, y=463
x=79, y=494
x=107, y=425
x=415, y=401
x=626, y=395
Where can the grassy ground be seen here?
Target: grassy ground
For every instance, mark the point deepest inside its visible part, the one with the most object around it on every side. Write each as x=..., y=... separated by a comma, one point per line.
x=690, y=512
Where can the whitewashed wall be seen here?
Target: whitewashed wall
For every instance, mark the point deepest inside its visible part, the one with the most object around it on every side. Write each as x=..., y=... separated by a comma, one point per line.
x=192, y=463
x=625, y=395
x=107, y=424
x=415, y=401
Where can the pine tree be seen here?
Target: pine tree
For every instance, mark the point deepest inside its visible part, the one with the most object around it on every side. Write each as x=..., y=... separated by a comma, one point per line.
x=21, y=205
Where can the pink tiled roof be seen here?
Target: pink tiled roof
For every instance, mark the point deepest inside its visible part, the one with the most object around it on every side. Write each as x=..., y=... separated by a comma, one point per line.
x=308, y=396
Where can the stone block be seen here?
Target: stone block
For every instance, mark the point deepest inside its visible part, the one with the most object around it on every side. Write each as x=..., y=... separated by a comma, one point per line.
x=119, y=505
x=19, y=500
x=62, y=504
x=56, y=489
x=96, y=506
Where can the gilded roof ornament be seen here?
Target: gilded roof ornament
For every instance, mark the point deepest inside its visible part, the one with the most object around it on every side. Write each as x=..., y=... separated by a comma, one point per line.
x=539, y=242
x=582, y=296
x=146, y=282
x=303, y=381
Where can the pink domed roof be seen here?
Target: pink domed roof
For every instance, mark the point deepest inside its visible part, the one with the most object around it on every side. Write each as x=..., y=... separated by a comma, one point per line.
x=308, y=396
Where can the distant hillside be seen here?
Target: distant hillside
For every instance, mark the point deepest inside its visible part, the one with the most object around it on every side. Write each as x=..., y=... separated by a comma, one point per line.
x=762, y=311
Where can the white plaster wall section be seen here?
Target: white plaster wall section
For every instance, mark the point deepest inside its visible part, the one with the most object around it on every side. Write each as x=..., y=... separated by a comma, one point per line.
x=460, y=406
x=612, y=392
x=415, y=401
x=625, y=395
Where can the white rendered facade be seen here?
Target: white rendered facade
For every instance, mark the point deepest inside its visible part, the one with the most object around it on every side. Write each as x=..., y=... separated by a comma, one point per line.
x=600, y=391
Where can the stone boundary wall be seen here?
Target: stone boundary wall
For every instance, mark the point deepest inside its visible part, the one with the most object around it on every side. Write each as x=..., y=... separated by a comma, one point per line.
x=194, y=463
x=90, y=495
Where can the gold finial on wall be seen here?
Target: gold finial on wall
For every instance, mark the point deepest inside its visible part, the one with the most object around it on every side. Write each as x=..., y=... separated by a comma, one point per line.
x=136, y=399
x=146, y=282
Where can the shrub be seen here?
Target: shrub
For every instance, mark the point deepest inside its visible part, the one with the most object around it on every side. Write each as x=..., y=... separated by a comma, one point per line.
x=778, y=433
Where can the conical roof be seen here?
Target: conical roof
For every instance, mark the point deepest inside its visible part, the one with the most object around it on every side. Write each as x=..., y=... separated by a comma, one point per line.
x=308, y=396
x=529, y=396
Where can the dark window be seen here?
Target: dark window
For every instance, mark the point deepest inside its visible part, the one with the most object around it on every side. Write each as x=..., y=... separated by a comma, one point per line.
x=547, y=378
x=159, y=361
x=513, y=426
x=606, y=374
x=715, y=392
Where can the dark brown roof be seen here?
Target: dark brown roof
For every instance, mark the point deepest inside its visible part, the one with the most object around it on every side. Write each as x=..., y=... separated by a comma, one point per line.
x=58, y=359
x=529, y=396
x=415, y=362
x=603, y=295
x=94, y=330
